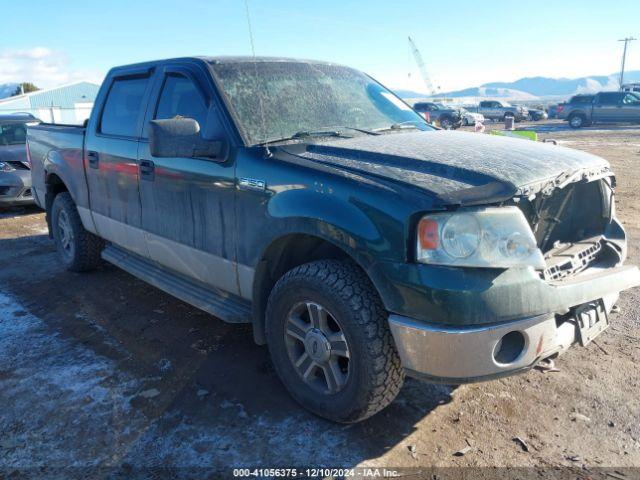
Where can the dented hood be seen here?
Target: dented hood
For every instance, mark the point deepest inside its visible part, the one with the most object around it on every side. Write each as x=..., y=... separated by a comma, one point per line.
x=461, y=167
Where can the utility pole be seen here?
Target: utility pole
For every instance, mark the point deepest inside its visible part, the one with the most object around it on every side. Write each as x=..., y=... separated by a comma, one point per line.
x=626, y=40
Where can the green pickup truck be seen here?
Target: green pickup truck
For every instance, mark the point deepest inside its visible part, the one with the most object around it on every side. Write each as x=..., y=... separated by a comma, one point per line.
x=361, y=243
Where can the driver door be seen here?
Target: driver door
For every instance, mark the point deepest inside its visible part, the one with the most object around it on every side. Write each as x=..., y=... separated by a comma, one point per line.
x=188, y=203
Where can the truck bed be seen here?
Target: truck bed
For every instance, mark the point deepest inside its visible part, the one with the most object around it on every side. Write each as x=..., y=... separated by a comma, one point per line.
x=55, y=148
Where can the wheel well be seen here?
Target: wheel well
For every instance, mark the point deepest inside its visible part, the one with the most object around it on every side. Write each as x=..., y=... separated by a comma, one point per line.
x=281, y=256
x=54, y=185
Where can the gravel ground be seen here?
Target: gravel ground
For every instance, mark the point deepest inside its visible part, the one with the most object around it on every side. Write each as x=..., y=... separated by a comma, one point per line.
x=102, y=370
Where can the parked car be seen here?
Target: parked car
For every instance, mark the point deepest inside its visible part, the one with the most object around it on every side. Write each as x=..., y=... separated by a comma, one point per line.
x=15, y=177
x=447, y=117
x=575, y=102
x=497, y=110
x=358, y=241
x=537, y=114
x=470, y=118
x=605, y=107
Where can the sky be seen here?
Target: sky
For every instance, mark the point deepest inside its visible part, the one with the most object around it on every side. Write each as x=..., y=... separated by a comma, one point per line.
x=464, y=43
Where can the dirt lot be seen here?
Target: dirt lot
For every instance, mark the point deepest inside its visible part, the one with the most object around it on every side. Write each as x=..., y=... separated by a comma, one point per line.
x=101, y=369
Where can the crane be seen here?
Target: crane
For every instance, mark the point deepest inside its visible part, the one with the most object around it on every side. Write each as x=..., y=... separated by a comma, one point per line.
x=421, y=66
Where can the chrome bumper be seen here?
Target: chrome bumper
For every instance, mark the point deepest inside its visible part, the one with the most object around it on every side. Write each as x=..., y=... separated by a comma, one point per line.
x=453, y=355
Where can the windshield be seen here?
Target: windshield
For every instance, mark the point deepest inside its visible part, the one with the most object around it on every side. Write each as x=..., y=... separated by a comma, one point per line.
x=13, y=134
x=276, y=100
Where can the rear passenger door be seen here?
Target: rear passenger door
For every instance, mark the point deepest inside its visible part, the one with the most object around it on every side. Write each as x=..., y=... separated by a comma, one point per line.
x=111, y=152
x=188, y=203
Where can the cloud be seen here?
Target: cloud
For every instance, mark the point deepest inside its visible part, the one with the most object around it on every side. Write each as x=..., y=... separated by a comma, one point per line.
x=42, y=66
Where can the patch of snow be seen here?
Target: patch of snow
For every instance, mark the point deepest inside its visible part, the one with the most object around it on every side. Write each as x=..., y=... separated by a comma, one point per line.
x=53, y=389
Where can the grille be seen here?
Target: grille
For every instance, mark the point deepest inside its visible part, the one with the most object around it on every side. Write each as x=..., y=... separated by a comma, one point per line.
x=18, y=165
x=565, y=260
x=568, y=226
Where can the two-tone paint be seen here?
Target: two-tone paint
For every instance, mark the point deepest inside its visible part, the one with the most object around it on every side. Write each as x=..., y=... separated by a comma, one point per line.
x=220, y=221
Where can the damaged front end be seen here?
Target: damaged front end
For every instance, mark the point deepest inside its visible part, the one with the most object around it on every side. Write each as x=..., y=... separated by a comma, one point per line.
x=573, y=221
x=490, y=322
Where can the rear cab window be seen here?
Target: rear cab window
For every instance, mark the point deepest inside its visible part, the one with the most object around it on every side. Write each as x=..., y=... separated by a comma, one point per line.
x=123, y=106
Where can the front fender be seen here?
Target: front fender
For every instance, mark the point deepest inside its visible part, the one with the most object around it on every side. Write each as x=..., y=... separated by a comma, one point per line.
x=360, y=229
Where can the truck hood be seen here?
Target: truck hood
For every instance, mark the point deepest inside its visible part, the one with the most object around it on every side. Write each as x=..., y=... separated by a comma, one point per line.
x=461, y=168
x=13, y=153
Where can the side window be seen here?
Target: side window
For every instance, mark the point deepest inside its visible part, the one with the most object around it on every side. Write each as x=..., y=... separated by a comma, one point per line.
x=485, y=104
x=630, y=98
x=180, y=97
x=122, y=107
x=609, y=98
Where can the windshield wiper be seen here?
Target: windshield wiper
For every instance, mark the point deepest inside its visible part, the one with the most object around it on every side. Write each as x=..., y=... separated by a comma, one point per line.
x=307, y=134
x=398, y=126
x=355, y=129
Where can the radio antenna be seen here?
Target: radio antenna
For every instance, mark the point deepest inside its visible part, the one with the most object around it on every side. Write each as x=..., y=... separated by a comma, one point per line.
x=258, y=90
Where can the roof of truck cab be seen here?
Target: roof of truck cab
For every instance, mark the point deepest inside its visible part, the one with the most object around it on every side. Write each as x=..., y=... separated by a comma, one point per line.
x=224, y=59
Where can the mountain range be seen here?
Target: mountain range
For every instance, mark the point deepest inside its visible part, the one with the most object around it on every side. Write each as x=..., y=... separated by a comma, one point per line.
x=530, y=88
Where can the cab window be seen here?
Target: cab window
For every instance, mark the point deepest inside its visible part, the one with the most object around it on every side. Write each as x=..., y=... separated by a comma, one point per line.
x=181, y=97
x=123, y=105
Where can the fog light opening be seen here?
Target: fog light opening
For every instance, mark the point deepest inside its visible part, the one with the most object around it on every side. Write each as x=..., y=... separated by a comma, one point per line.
x=509, y=348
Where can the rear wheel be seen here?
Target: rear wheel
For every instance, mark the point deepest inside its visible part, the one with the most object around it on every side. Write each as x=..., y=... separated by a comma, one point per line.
x=577, y=121
x=78, y=249
x=330, y=342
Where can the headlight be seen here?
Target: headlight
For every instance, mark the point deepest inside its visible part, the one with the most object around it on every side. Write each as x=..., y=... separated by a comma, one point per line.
x=6, y=167
x=490, y=238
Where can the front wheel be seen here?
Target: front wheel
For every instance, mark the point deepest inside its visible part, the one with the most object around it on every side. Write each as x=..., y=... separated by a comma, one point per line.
x=330, y=342
x=446, y=123
x=78, y=249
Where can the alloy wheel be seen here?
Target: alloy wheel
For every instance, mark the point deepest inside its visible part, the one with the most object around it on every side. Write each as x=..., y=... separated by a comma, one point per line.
x=317, y=347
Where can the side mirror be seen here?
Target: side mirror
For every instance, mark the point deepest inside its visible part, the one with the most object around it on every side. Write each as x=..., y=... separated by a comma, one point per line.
x=180, y=137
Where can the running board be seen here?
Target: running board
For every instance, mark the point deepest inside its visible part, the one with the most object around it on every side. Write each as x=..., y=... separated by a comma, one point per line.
x=227, y=307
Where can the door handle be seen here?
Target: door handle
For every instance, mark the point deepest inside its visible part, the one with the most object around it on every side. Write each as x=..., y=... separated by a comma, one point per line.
x=93, y=158
x=147, y=169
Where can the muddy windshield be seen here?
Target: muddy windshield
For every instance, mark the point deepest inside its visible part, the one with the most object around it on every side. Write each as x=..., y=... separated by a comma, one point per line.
x=275, y=100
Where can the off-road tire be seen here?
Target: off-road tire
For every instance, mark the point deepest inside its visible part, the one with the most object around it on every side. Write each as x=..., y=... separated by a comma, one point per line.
x=375, y=376
x=85, y=247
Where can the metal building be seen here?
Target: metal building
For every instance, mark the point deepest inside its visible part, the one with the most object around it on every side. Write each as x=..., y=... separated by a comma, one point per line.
x=69, y=104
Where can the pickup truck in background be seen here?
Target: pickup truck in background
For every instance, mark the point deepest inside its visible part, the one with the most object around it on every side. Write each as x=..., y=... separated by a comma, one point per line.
x=604, y=107
x=579, y=102
x=360, y=243
x=448, y=118
x=497, y=110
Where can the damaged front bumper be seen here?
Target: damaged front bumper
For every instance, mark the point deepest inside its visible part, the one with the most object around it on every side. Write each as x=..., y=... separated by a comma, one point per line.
x=460, y=354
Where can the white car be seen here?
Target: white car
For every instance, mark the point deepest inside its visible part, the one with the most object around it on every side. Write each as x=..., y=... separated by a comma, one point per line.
x=470, y=118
